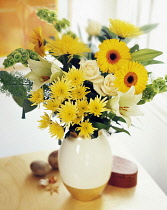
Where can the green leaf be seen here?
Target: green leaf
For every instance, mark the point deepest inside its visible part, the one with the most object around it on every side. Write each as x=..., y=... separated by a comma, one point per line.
x=119, y=119
x=163, y=89
x=145, y=55
x=141, y=102
x=18, y=100
x=146, y=63
x=148, y=28
x=100, y=125
x=27, y=105
x=110, y=115
x=106, y=34
x=118, y=130
x=24, y=103
x=134, y=48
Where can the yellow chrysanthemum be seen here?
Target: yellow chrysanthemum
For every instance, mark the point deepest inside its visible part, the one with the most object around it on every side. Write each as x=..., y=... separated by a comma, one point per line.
x=97, y=106
x=86, y=129
x=124, y=29
x=45, y=121
x=38, y=41
x=77, y=120
x=79, y=92
x=56, y=130
x=131, y=74
x=67, y=112
x=52, y=105
x=37, y=97
x=112, y=55
x=67, y=45
x=82, y=106
x=61, y=89
x=76, y=76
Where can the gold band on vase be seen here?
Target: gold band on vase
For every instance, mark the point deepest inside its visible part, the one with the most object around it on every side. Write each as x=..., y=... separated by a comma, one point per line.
x=86, y=194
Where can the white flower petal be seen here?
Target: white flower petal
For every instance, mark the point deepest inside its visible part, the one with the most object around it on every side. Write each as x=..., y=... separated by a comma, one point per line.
x=40, y=68
x=113, y=104
x=128, y=120
x=36, y=85
x=31, y=76
x=134, y=111
x=129, y=99
x=97, y=80
x=97, y=88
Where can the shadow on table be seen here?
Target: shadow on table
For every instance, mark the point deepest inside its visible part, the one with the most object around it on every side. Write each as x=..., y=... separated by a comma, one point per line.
x=72, y=204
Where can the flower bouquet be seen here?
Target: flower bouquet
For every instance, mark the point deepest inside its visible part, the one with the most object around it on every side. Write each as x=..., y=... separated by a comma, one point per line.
x=84, y=89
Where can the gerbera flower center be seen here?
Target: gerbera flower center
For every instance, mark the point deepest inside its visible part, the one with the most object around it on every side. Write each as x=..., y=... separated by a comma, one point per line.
x=113, y=56
x=130, y=79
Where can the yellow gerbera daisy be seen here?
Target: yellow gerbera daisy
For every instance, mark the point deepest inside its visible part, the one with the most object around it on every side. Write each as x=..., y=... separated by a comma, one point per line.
x=112, y=55
x=52, y=105
x=67, y=45
x=124, y=29
x=76, y=76
x=79, y=92
x=97, y=106
x=61, y=89
x=45, y=121
x=56, y=130
x=37, y=97
x=38, y=41
x=131, y=74
x=82, y=106
x=67, y=112
x=86, y=129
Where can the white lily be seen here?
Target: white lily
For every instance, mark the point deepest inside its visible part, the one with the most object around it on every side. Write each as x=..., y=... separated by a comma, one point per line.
x=43, y=72
x=125, y=105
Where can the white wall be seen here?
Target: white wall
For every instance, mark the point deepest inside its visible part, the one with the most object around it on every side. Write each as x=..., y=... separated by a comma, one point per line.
x=19, y=135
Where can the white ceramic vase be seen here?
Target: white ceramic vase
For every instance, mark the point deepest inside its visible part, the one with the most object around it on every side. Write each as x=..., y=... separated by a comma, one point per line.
x=85, y=166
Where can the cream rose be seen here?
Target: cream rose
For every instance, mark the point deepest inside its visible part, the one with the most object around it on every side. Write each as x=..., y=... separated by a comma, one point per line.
x=107, y=86
x=93, y=28
x=91, y=70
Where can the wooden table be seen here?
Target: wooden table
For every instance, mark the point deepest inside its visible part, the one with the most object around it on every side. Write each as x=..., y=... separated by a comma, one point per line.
x=20, y=190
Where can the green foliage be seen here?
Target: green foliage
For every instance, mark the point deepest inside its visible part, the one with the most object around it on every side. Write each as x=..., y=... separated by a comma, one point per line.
x=106, y=34
x=14, y=83
x=50, y=16
x=134, y=48
x=119, y=130
x=72, y=34
x=18, y=87
x=145, y=55
x=158, y=85
x=61, y=24
x=47, y=15
x=20, y=55
x=148, y=28
x=150, y=62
